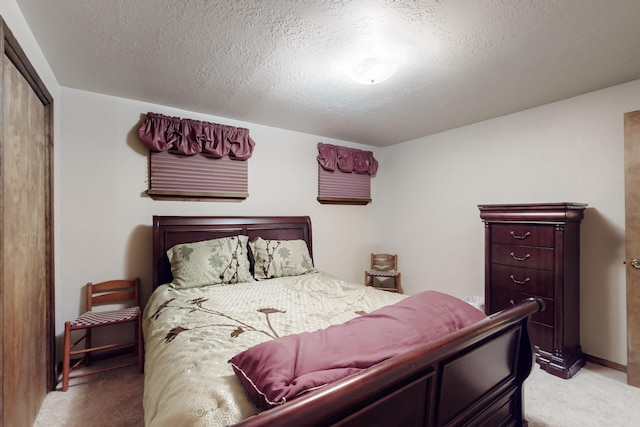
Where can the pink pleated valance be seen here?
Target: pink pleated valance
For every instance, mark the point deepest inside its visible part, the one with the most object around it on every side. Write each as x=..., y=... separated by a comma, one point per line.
x=189, y=137
x=332, y=157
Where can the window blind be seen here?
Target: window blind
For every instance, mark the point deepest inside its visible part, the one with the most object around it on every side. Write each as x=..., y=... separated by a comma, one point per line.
x=193, y=160
x=343, y=188
x=197, y=176
x=344, y=175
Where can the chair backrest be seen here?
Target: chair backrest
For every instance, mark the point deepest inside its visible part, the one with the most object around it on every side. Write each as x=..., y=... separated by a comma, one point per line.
x=113, y=291
x=384, y=262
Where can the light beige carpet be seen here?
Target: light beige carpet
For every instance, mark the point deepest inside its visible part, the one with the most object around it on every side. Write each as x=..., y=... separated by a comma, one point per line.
x=107, y=399
x=596, y=396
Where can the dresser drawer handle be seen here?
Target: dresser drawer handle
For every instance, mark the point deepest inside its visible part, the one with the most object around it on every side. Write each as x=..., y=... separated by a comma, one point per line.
x=519, y=259
x=515, y=236
x=518, y=282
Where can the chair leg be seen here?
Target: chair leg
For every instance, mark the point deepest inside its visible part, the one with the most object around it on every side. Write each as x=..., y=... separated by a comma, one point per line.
x=87, y=344
x=66, y=359
x=368, y=279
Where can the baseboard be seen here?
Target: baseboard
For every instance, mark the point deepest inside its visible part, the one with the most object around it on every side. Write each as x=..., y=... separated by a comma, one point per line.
x=607, y=363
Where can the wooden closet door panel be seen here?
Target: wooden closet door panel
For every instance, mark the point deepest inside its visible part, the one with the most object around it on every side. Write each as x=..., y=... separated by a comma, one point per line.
x=37, y=226
x=24, y=250
x=15, y=243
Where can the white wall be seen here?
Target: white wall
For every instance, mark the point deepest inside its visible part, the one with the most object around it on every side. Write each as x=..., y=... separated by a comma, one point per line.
x=569, y=151
x=105, y=218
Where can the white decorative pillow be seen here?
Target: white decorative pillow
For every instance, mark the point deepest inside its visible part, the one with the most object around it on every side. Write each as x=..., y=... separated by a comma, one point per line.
x=210, y=262
x=278, y=258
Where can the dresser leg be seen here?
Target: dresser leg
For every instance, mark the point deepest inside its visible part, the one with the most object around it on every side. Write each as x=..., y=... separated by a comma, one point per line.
x=563, y=366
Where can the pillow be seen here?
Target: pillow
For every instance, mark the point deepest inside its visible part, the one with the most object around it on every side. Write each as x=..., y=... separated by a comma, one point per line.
x=210, y=262
x=279, y=258
x=277, y=371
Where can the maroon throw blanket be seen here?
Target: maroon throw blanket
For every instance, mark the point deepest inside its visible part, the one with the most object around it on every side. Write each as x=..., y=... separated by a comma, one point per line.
x=276, y=371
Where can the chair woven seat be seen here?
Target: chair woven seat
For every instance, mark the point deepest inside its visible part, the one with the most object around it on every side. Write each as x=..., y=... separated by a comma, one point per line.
x=387, y=273
x=380, y=273
x=103, y=318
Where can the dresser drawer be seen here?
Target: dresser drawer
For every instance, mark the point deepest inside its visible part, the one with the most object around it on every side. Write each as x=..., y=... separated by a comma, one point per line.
x=541, y=336
x=527, y=280
x=523, y=234
x=522, y=256
x=502, y=299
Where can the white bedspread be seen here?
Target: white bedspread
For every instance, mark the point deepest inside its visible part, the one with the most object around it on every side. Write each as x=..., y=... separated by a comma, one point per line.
x=190, y=335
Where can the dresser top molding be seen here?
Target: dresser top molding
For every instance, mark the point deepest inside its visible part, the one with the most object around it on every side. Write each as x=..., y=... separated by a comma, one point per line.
x=533, y=212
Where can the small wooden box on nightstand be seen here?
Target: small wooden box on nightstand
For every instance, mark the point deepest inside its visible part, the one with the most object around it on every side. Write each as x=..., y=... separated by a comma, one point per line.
x=533, y=250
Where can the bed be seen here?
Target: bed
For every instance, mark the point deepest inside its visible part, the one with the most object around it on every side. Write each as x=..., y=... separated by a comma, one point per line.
x=195, y=335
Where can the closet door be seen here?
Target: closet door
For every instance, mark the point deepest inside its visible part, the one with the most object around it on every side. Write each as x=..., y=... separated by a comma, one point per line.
x=26, y=300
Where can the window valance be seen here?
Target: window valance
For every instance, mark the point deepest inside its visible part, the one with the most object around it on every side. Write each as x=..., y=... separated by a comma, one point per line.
x=189, y=137
x=347, y=160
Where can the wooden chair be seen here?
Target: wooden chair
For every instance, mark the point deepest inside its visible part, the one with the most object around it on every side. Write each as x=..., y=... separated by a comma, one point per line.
x=113, y=291
x=384, y=266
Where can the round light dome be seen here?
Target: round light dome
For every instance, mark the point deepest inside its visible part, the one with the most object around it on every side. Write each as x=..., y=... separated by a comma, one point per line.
x=371, y=70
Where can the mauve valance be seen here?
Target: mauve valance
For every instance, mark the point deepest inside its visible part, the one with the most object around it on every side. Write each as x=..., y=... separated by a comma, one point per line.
x=189, y=137
x=332, y=157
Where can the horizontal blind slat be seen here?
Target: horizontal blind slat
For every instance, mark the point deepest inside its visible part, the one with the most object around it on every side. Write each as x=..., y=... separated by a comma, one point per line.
x=341, y=184
x=197, y=173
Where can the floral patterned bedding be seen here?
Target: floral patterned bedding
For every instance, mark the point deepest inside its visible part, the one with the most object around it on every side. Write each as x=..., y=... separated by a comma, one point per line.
x=190, y=334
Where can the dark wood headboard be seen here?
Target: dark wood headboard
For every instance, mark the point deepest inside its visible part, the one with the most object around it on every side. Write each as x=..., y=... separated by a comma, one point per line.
x=169, y=231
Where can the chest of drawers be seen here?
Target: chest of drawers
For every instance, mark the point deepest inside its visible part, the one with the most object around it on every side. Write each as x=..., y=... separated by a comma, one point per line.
x=533, y=250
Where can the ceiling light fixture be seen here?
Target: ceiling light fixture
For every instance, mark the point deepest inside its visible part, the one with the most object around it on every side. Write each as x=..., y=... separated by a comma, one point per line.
x=370, y=70
x=372, y=60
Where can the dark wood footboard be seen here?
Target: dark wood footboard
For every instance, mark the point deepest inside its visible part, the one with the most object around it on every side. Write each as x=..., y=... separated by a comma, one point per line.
x=472, y=377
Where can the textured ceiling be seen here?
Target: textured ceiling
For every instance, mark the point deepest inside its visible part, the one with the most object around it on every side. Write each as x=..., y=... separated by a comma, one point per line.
x=274, y=62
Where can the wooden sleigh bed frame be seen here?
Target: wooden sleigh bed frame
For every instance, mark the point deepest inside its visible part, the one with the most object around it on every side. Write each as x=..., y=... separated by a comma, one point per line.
x=472, y=377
